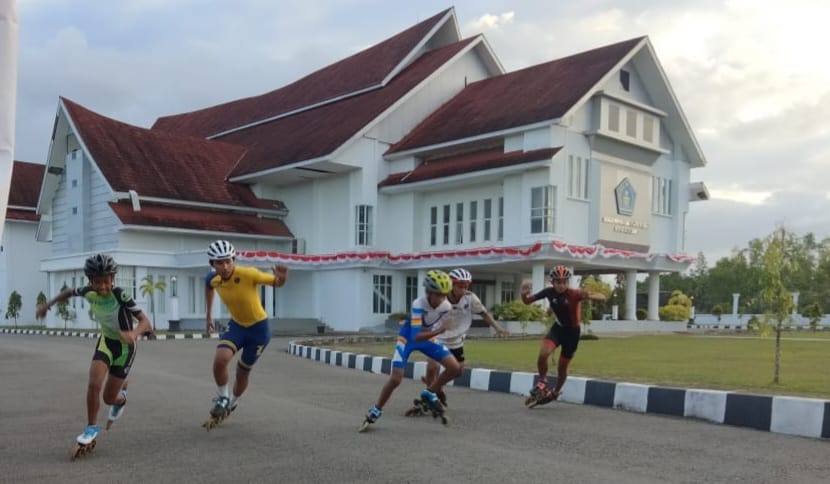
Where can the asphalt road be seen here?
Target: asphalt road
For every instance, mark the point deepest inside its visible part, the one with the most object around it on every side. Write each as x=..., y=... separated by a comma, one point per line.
x=298, y=423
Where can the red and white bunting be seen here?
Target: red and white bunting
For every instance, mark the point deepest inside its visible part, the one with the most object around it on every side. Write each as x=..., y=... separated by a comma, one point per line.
x=481, y=254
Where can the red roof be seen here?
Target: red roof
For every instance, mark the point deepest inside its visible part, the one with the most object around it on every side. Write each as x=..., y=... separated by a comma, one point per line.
x=318, y=132
x=158, y=164
x=25, y=190
x=362, y=70
x=192, y=218
x=467, y=163
x=538, y=93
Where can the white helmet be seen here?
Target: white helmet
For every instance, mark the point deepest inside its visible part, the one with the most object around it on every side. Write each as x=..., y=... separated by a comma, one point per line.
x=461, y=275
x=220, y=250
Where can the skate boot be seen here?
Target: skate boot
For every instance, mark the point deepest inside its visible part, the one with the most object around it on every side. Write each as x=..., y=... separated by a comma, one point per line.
x=435, y=407
x=419, y=407
x=85, y=443
x=536, y=393
x=217, y=413
x=443, y=398
x=372, y=416
x=548, y=396
x=116, y=410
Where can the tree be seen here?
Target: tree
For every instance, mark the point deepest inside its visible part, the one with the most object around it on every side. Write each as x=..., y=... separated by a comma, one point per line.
x=149, y=288
x=717, y=310
x=592, y=309
x=813, y=313
x=13, y=309
x=41, y=300
x=63, y=310
x=778, y=301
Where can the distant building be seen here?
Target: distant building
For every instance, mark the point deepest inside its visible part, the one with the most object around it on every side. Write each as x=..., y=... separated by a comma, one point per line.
x=419, y=152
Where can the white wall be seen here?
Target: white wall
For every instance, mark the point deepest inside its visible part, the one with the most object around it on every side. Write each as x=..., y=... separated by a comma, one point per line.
x=19, y=269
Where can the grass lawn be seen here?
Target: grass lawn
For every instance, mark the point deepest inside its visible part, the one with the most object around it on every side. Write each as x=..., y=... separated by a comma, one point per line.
x=729, y=362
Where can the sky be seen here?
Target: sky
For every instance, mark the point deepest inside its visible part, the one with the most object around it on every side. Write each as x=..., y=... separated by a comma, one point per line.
x=754, y=83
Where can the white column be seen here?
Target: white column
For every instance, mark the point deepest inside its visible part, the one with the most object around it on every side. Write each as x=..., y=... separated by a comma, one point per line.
x=735, y=298
x=653, y=296
x=8, y=99
x=631, y=295
x=538, y=280
x=795, y=302
x=422, y=274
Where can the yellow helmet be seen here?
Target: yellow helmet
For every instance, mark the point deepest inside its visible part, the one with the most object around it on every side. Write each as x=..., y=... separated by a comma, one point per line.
x=438, y=281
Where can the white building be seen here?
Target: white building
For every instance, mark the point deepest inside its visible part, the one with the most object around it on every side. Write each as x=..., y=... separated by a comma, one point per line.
x=19, y=252
x=419, y=152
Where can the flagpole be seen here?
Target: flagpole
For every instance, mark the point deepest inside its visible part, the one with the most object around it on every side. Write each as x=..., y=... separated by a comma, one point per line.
x=8, y=100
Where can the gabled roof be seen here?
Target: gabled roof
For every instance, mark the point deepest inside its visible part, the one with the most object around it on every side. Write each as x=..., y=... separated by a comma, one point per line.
x=189, y=218
x=539, y=93
x=161, y=165
x=467, y=163
x=318, y=132
x=361, y=71
x=24, y=191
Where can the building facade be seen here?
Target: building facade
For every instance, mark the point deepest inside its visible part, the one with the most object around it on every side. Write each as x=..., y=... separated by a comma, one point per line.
x=419, y=152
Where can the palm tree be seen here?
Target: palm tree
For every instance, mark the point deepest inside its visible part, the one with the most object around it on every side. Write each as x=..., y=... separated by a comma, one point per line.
x=149, y=288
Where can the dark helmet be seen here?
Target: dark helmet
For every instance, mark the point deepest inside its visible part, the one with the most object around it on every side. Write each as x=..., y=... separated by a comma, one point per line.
x=100, y=265
x=560, y=272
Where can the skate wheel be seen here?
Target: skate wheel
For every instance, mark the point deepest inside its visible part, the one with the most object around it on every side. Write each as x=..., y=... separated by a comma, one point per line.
x=364, y=426
x=109, y=424
x=445, y=420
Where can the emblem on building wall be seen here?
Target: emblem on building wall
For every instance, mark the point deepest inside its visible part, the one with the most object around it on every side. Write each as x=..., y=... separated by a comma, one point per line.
x=625, y=196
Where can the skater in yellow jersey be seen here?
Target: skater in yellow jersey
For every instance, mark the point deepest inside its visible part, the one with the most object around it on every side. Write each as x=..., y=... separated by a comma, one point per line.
x=248, y=330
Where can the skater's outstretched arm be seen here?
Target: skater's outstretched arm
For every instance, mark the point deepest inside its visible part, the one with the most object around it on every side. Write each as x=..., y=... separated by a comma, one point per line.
x=43, y=308
x=280, y=275
x=143, y=327
x=425, y=335
x=209, y=291
x=500, y=332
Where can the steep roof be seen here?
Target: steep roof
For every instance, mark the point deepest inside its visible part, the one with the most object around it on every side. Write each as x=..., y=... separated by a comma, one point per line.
x=158, y=164
x=467, y=163
x=360, y=71
x=538, y=93
x=317, y=132
x=189, y=218
x=25, y=190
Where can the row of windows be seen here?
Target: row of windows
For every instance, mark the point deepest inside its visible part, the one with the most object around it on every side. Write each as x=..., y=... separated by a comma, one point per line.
x=439, y=228
x=661, y=195
x=382, y=292
x=632, y=123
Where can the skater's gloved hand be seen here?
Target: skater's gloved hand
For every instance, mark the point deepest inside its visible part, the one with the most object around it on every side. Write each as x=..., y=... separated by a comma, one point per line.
x=502, y=333
x=41, y=311
x=526, y=289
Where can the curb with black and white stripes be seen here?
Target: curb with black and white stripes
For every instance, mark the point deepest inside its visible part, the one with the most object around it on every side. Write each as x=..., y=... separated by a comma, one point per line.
x=92, y=334
x=806, y=417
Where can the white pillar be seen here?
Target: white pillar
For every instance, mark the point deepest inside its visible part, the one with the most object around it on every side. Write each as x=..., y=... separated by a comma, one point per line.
x=653, y=296
x=615, y=312
x=735, y=298
x=631, y=295
x=539, y=281
x=8, y=99
x=795, y=302
x=422, y=274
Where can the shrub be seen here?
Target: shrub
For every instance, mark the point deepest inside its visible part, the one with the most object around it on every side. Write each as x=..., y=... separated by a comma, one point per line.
x=397, y=316
x=588, y=336
x=812, y=312
x=642, y=314
x=717, y=310
x=519, y=311
x=674, y=312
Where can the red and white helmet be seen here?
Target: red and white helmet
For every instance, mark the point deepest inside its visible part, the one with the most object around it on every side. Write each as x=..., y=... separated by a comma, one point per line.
x=461, y=275
x=560, y=272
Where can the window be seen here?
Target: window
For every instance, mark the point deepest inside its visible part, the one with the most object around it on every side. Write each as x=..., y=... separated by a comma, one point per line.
x=541, y=209
x=488, y=213
x=411, y=291
x=501, y=219
x=473, y=217
x=578, y=173
x=125, y=279
x=73, y=285
x=631, y=123
x=161, y=296
x=74, y=210
x=74, y=183
x=459, y=223
x=625, y=79
x=433, y=225
x=382, y=294
x=363, y=225
x=613, y=118
x=446, y=225
x=648, y=129
x=661, y=194
x=191, y=290
x=508, y=292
